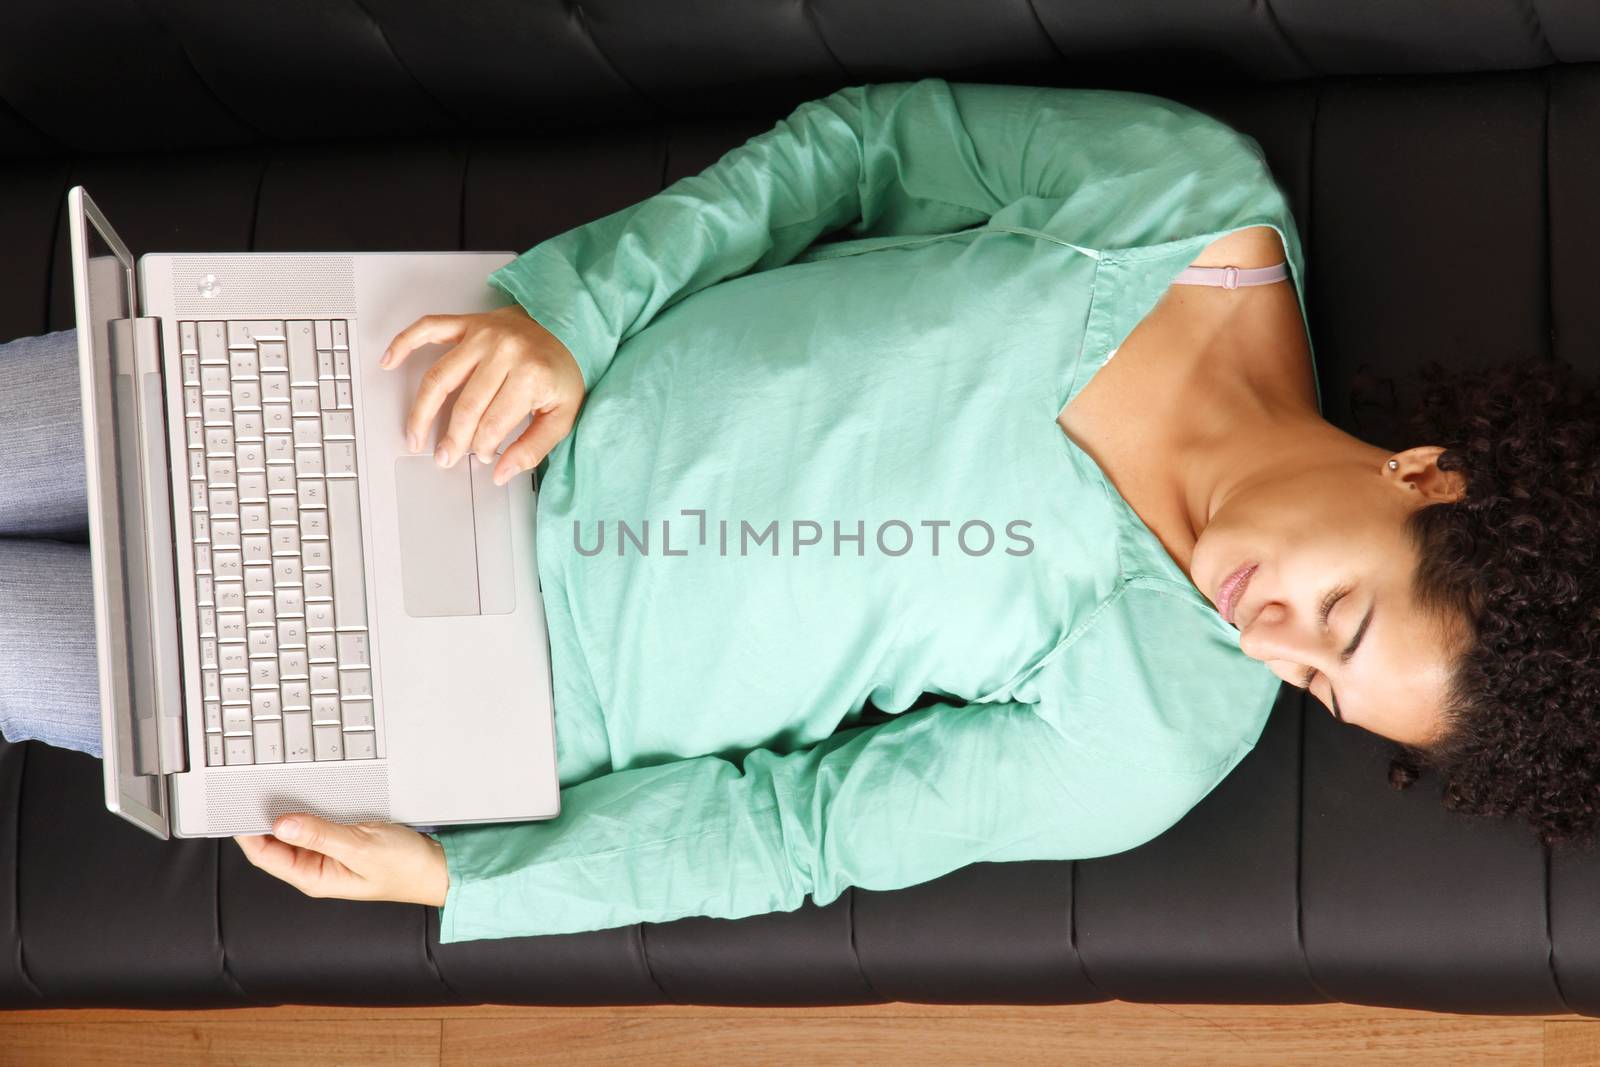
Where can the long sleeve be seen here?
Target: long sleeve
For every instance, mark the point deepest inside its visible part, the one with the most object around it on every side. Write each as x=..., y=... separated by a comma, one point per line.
x=1123, y=740
x=1099, y=168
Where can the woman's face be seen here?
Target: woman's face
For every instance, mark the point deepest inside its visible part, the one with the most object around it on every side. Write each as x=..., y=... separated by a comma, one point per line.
x=1335, y=529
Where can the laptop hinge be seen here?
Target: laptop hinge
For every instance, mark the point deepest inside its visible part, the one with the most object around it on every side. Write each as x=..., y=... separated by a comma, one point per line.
x=155, y=480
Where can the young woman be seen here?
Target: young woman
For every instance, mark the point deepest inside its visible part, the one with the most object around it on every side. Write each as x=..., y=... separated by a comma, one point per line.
x=1037, y=434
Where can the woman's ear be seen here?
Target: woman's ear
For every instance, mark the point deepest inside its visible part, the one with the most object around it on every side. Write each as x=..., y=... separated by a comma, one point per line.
x=1419, y=468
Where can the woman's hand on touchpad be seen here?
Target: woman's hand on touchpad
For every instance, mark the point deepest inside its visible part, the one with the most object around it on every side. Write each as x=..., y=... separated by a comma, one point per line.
x=512, y=367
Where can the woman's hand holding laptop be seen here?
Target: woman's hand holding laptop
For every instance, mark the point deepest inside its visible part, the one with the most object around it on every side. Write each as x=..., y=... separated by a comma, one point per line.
x=366, y=861
x=512, y=367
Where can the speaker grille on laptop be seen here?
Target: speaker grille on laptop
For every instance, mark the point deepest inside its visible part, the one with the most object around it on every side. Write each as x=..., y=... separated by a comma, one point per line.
x=247, y=800
x=271, y=285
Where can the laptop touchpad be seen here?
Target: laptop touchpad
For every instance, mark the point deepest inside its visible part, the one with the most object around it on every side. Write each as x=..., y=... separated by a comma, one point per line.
x=438, y=545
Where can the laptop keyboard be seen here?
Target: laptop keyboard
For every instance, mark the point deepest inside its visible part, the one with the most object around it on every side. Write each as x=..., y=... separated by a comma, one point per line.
x=275, y=508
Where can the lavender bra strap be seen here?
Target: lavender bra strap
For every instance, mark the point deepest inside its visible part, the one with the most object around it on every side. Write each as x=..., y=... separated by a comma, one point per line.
x=1232, y=277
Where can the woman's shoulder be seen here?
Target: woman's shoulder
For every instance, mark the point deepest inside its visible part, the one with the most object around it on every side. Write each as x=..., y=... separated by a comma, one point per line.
x=1253, y=246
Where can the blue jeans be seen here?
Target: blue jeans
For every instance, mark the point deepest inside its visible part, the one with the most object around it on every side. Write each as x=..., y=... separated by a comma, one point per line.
x=49, y=681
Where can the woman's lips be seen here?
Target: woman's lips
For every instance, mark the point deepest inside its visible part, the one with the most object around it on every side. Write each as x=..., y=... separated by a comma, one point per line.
x=1233, y=589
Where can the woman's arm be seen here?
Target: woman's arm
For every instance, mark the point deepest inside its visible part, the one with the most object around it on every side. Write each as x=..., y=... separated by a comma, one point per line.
x=1099, y=168
x=1114, y=738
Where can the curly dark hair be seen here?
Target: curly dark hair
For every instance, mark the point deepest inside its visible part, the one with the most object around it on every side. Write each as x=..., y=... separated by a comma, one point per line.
x=1511, y=571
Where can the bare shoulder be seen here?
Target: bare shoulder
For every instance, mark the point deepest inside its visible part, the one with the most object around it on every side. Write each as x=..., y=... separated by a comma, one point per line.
x=1255, y=246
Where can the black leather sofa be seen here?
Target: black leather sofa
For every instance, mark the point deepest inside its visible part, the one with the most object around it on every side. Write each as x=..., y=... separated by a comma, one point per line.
x=1442, y=160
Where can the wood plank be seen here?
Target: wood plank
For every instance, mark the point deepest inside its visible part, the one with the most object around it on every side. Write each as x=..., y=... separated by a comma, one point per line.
x=246, y=1043
x=1571, y=1044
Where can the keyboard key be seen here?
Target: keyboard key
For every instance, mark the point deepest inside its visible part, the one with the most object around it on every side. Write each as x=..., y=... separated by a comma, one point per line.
x=202, y=559
x=247, y=396
x=257, y=549
x=357, y=714
x=217, y=411
x=360, y=745
x=236, y=719
x=324, y=364
x=341, y=365
x=313, y=493
x=197, y=430
x=253, y=518
x=329, y=400
x=208, y=652
x=306, y=400
x=329, y=742
x=341, y=457
x=197, y=463
x=280, y=479
x=213, y=343
x=339, y=335
x=208, y=622
x=258, y=611
x=285, y=570
x=228, y=563
x=297, y=736
x=338, y=424
x=191, y=400
x=224, y=504
x=324, y=333
x=274, y=386
x=313, y=524
x=341, y=394
x=280, y=448
x=187, y=342
x=264, y=672
x=353, y=650
x=219, y=441
x=324, y=679
x=269, y=742
x=319, y=616
x=324, y=709
x=252, y=456
x=213, y=750
x=275, y=419
x=213, y=717
x=238, y=750
x=274, y=356
x=235, y=690
x=292, y=664
x=263, y=642
x=349, y=574
x=357, y=683
x=253, y=488
x=302, y=354
x=246, y=334
x=296, y=695
x=264, y=703
x=191, y=369
x=202, y=526
x=307, y=431
x=230, y=596
x=210, y=685
x=257, y=579
x=314, y=554
x=243, y=365
x=248, y=425
x=291, y=633
x=321, y=646
x=230, y=626
x=290, y=600
x=231, y=658
x=221, y=471
x=318, y=585
x=285, y=540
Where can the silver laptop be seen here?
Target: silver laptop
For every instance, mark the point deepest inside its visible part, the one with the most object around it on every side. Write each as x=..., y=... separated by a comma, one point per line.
x=293, y=612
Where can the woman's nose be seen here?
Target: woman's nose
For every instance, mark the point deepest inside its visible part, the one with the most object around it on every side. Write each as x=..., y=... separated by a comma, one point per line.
x=1275, y=635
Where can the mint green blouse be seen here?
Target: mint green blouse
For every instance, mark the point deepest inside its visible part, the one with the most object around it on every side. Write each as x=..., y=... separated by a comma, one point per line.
x=773, y=509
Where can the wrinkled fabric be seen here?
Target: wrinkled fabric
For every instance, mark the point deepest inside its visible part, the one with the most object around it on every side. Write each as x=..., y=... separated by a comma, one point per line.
x=854, y=333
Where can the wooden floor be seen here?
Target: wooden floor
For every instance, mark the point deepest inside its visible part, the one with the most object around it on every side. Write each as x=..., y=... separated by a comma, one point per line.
x=1119, y=1033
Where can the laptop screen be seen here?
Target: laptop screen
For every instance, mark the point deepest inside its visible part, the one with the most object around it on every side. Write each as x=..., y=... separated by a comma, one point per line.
x=105, y=306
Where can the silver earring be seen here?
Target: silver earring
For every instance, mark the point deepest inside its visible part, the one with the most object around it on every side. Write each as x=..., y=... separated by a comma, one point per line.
x=1394, y=465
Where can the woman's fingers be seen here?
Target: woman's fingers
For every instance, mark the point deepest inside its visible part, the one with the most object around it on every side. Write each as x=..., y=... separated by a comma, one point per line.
x=529, y=450
x=474, y=400
x=428, y=330
x=438, y=382
x=509, y=407
x=319, y=859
